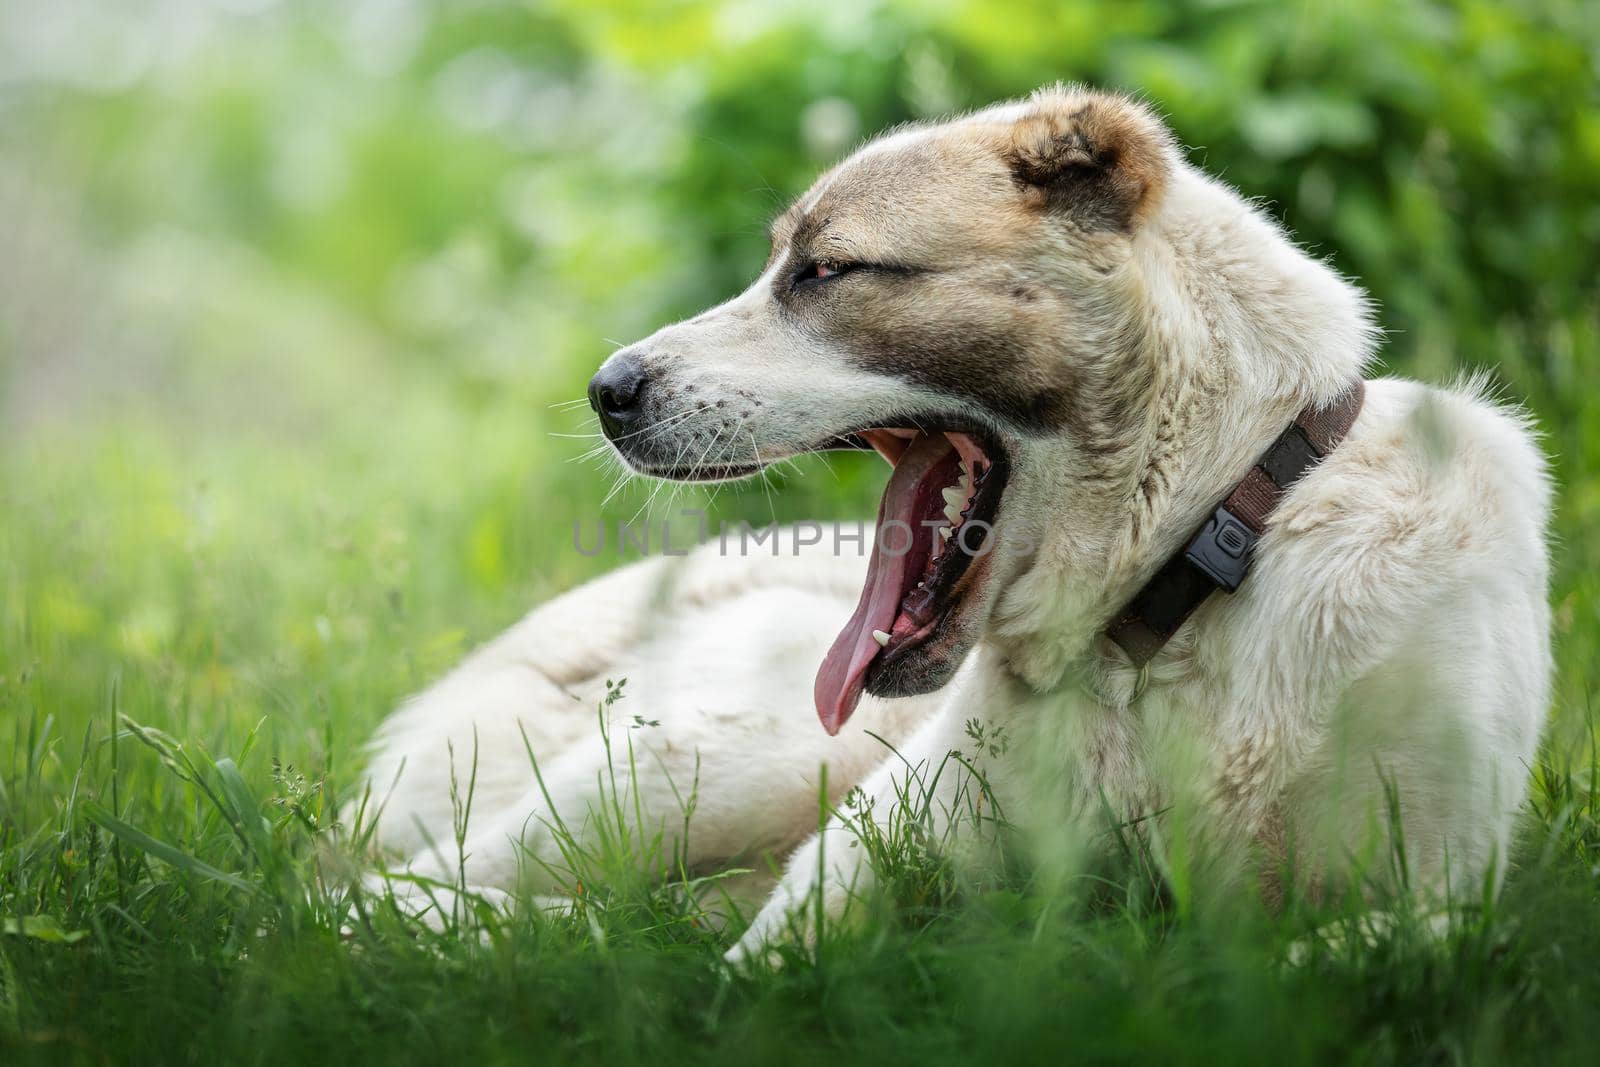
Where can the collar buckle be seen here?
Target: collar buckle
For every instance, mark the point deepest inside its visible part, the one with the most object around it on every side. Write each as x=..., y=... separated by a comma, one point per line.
x=1222, y=549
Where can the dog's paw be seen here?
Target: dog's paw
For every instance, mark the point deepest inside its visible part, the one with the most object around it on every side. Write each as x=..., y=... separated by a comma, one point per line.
x=776, y=923
x=793, y=918
x=437, y=906
x=753, y=954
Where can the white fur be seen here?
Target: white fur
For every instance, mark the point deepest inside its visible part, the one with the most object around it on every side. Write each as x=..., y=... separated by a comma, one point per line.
x=1394, y=627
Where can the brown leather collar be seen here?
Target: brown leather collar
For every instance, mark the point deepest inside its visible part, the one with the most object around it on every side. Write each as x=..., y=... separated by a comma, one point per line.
x=1218, y=555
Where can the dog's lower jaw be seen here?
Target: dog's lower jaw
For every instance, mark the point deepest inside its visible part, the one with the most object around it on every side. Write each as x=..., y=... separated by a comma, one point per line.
x=930, y=669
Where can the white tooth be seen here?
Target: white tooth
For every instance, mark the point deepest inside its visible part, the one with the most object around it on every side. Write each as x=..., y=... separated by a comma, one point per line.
x=944, y=533
x=953, y=496
x=952, y=513
x=880, y=637
x=966, y=484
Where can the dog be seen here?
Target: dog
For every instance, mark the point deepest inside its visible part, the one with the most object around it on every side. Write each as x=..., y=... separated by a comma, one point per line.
x=1070, y=344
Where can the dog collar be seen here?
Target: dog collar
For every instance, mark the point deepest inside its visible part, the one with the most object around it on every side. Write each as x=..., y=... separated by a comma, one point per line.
x=1218, y=555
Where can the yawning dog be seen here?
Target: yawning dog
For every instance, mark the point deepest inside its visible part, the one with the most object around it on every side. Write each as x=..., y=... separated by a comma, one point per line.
x=1147, y=520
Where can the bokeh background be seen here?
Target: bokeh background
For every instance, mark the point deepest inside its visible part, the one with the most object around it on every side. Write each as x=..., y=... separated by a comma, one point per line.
x=292, y=293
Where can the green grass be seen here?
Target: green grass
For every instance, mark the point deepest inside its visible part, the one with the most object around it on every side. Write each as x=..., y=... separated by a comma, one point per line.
x=197, y=641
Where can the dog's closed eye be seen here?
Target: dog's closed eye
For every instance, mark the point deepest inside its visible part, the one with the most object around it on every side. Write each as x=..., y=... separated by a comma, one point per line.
x=823, y=269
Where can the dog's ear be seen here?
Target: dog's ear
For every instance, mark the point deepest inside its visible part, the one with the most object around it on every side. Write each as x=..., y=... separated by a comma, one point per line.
x=1099, y=158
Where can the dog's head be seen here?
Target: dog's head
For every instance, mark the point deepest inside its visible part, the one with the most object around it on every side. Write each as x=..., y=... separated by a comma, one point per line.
x=961, y=297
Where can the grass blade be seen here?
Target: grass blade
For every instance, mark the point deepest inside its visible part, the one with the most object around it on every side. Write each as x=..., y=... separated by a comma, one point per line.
x=162, y=851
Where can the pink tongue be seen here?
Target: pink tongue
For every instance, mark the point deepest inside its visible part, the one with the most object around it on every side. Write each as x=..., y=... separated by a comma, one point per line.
x=843, y=672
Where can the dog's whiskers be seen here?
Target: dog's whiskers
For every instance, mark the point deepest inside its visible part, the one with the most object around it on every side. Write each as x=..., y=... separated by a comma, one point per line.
x=623, y=478
x=766, y=489
x=654, y=430
x=605, y=444
x=677, y=487
x=650, y=434
x=601, y=449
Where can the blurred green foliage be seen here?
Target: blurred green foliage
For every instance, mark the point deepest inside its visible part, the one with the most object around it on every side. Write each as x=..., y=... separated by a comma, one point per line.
x=569, y=165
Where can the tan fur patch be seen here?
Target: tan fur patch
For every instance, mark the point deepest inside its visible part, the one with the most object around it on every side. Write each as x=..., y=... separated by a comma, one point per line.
x=1100, y=158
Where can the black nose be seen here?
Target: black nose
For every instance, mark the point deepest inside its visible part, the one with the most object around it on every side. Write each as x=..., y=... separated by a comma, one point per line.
x=614, y=392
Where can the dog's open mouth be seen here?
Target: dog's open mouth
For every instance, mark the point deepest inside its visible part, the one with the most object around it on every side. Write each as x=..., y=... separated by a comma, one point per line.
x=913, y=624
x=935, y=531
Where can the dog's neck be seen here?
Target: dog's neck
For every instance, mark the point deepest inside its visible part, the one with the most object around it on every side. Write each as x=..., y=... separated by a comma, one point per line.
x=1234, y=330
